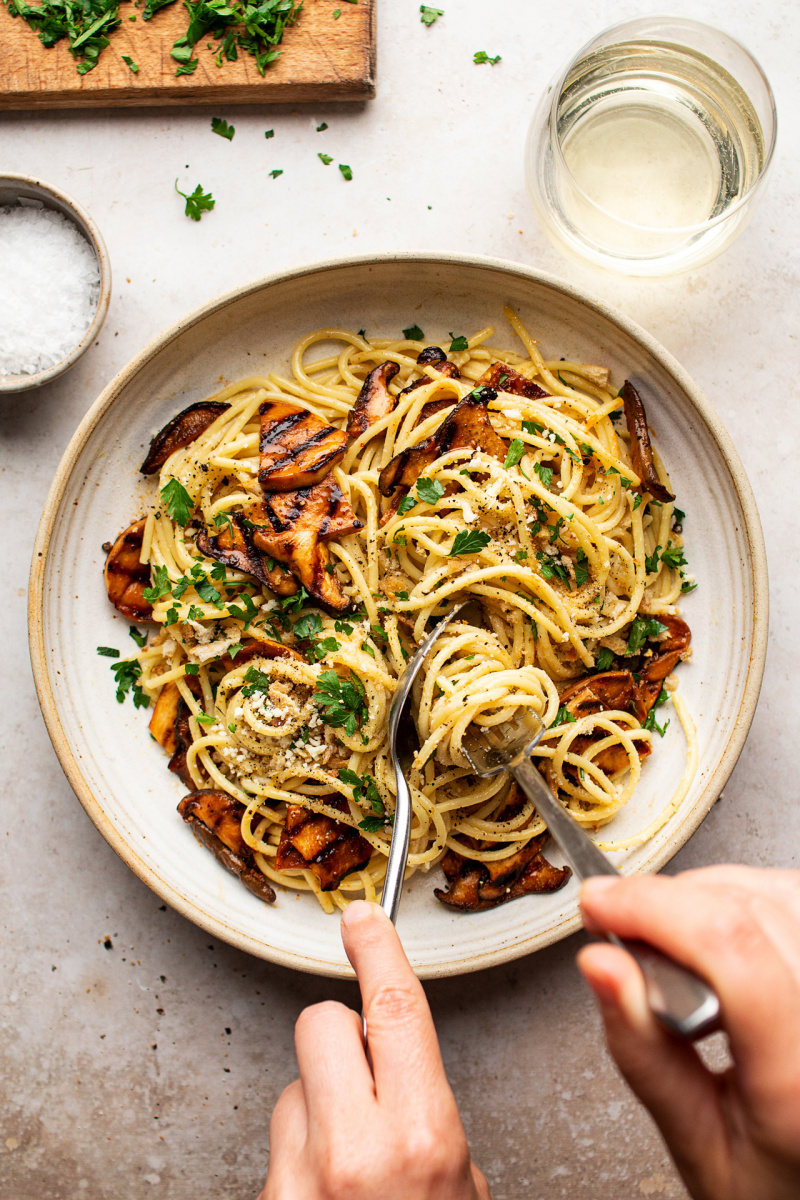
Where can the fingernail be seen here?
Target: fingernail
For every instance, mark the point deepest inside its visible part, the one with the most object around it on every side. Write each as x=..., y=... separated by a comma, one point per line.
x=360, y=910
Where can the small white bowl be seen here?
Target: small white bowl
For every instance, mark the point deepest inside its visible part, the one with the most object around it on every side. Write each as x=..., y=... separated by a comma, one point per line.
x=14, y=188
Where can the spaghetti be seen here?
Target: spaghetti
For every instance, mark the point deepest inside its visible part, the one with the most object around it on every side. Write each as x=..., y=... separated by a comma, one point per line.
x=483, y=474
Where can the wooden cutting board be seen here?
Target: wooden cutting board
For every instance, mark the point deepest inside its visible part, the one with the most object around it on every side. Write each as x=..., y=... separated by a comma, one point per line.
x=322, y=58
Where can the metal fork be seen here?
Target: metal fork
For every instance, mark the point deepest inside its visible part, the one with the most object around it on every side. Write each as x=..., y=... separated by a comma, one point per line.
x=682, y=1001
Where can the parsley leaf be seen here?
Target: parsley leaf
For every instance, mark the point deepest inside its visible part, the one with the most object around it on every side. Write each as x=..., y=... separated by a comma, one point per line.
x=308, y=625
x=177, y=501
x=613, y=471
x=564, y=717
x=405, y=505
x=203, y=718
x=199, y=201
x=413, y=334
x=139, y=638
x=544, y=473
x=108, y=651
x=372, y=824
x=343, y=699
x=469, y=541
x=320, y=128
x=551, y=568
x=673, y=557
x=651, y=561
x=642, y=629
x=604, y=659
x=581, y=569
x=458, y=342
x=346, y=171
x=126, y=675
x=533, y=427
x=206, y=591
x=337, y=12
x=275, y=174
x=482, y=57
x=269, y=133
x=515, y=453
x=650, y=721
x=293, y=604
x=327, y=159
x=160, y=586
x=429, y=490
x=255, y=681
x=637, y=501
x=126, y=58
x=429, y=15
x=686, y=586
x=222, y=128
x=192, y=669
x=678, y=516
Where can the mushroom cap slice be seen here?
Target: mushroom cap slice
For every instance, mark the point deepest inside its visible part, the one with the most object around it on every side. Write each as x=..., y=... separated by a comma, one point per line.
x=666, y=656
x=181, y=431
x=295, y=527
x=126, y=577
x=234, y=547
x=375, y=401
x=641, y=449
x=513, y=382
x=297, y=448
x=313, y=842
x=605, y=692
x=468, y=425
x=216, y=821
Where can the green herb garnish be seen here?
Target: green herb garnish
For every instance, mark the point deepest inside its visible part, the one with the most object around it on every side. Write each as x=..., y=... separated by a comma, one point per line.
x=327, y=159
x=126, y=675
x=604, y=659
x=458, y=342
x=139, y=638
x=413, y=334
x=429, y=15
x=642, y=629
x=126, y=58
x=515, y=453
x=343, y=699
x=161, y=586
x=346, y=171
x=197, y=203
x=469, y=541
x=275, y=174
x=482, y=57
x=429, y=490
x=564, y=717
x=581, y=569
x=108, y=651
x=222, y=128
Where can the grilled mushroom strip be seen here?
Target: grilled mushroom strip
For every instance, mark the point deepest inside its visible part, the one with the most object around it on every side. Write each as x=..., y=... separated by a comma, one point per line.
x=666, y=656
x=375, y=401
x=313, y=842
x=234, y=547
x=180, y=432
x=435, y=357
x=641, y=450
x=506, y=379
x=468, y=425
x=602, y=693
x=477, y=886
x=294, y=529
x=297, y=448
x=216, y=822
x=126, y=577
x=263, y=648
x=169, y=725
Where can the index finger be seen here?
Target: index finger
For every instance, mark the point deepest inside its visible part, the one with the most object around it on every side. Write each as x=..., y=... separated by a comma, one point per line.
x=406, y=1061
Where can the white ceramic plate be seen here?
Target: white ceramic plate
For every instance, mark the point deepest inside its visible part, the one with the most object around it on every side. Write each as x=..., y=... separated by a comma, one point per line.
x=119, y=773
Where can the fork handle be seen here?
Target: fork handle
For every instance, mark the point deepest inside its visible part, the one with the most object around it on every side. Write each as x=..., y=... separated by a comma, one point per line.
x=398, y=850
x=680, y=1000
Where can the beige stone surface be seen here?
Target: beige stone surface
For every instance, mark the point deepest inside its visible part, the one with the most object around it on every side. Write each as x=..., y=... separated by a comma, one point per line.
x=138, y=1058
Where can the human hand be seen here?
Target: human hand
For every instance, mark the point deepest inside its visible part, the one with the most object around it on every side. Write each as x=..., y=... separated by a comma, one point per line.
x=349, y=1129
x=735, y=1135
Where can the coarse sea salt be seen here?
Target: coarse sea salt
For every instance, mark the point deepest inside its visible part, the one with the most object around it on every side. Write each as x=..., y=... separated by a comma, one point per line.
x=49, y=288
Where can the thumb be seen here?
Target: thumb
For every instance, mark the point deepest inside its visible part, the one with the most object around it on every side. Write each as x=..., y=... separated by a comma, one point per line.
x=663, y=1071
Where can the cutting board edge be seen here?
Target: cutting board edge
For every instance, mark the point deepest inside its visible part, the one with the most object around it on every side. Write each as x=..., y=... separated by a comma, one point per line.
x=285, y=93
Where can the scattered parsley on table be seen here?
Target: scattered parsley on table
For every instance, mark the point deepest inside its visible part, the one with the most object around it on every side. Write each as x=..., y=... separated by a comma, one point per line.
x=130, y=63
x=482, y=57
x=346, y=171
x=429, y=15
x=218, y=125
x=196, y=204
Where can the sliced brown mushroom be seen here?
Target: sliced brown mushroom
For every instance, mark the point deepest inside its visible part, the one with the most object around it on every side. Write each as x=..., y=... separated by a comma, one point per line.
x=641, y=449
x=667, y=654
x=435, y=357
x=126, y=577
x=468, y=425
x=476, y=886
x=262, y=648
x=506, y=379
x=297, y=448
x=375, y=401
x=602, y=693
x=180, y=432
x=169, y=725
x=294, y=529
x=313, y=842
x=235, y=548
x=216, y=821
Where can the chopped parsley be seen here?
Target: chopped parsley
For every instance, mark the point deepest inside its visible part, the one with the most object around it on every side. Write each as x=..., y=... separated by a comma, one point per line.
x=308, y=625
x=642, y=629
x=85, y=25
x=246, y=614
x=651, y=561
x=337, y=12
x=533, y=427
x=604, y=659
x=161, y=587
x=177, y=501
x=520, y=556
x=581, y=569
x=405, y=505
x=544, y=473
x=678, y=516
x=613, y=471
x=139, y=638
x=343, y=699
x=413, y=334
x=637, y=501
x=320, y=128
x=207, y=592
x=346, y=171
x=650, y=721
x=222, y=128
x=126, y=675
x=364, y=789
x=268, y=133
x=429, y=490
x=552, y=568
x=515, y=453
x=255, y=681
x=126, y=58
x=198, y=202
x=108, y=652
x=458, y=342
x=235, y=25
x=564, y=717
x=429, y=15
x=673, y=557
x=686, y=586
x=293, y=604
x=203, y=718
x=469, y=541
x=275, y=174
x=192, y=669
x=482, y=57
x=327, y=159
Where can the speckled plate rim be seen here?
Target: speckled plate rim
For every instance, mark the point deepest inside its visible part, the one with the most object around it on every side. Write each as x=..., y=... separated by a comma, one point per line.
x=756, y=566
